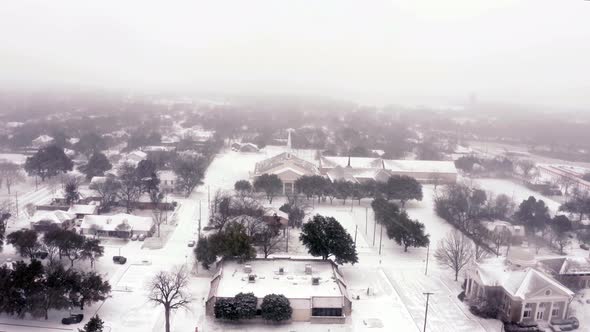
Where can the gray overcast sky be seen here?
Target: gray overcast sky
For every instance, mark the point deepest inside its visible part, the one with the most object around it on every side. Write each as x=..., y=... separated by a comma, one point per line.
x=411, y=51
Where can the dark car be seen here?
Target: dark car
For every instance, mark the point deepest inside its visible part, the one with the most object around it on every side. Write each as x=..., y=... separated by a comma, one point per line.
x=119, y=259
x=585, y=246
x=41, y=254
x=73, y=319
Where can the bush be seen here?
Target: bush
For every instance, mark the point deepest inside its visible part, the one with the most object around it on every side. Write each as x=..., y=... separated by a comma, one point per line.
x=246, y=305
x=276, y=308
x=226, y=309
x=461, y=296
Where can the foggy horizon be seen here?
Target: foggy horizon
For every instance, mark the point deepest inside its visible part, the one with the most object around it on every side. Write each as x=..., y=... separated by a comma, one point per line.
x=377, y=53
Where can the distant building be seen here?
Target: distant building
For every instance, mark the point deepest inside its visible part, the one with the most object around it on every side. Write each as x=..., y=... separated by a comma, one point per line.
x=287, y=167
x=425, y=171
x=524, y=292
x=167, y=180
x=497, y=226
x=244, y=147
x=42, y=141
x=316, y=289
x=561, y=174
x=571, y=271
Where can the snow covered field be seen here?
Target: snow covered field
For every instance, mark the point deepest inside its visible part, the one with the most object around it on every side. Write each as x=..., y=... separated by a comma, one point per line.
x=386, y=288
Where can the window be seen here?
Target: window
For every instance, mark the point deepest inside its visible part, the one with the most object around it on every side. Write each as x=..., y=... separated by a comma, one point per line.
x=555, y=312
x=326, y=312
x=528, y=311
x=547, y=292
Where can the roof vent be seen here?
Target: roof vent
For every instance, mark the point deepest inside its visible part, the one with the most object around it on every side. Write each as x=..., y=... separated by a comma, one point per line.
x=247, y=268
x=315, y=281
x=307, y=268
x=251, y=278
x=281, y=270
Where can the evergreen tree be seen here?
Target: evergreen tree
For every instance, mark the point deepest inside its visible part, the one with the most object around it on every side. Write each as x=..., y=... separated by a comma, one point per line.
x=325, y=237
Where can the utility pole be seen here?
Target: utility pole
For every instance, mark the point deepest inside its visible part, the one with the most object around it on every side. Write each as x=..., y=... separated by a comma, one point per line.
x=351, y=203
x=355, y=230
x=380, y=238
x=366, y=220
x=287, y=245
x=199, y=220
x=16, y=194
x=374, y=231
x=426, y=313
x=209, y=198
x=427, y=254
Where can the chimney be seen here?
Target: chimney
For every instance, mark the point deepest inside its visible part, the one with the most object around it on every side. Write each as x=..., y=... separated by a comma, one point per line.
x=247, y=268
x=307, y=268
x=281, y=270
x=315, y=281
x=251, y=278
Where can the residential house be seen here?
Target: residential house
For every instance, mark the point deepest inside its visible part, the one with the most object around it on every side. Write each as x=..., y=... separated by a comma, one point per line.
x=79, y=211
x=315, y=288
x=287, y=167
x=44, y=220
x=167, y=180
x=118, y=225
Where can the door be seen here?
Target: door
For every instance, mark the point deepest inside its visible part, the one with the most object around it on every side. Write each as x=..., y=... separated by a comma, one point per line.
x=540, y=312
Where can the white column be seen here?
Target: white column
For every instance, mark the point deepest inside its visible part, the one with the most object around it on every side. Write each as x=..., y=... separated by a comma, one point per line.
x=550, y=312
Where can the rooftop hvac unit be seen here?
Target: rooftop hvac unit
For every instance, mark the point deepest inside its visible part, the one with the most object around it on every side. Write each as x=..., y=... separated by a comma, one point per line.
x=251, y=278
x=281, y=270
x=247, y=268
x=307, y=268
x=315, y=281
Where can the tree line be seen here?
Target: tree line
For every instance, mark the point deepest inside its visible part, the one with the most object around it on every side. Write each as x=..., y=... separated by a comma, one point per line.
x=398, y=187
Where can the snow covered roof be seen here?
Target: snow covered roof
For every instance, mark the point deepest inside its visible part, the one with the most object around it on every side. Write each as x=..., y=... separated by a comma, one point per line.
x=110, y=223
x=293, y=283
x=43, y=139
x=355, y=175
x=422, y=166
x=55, y=217
x=83, y=209
x=354, y=162
x=521, y=283
x=167, y=175
x=283, y=161
x=567, y=265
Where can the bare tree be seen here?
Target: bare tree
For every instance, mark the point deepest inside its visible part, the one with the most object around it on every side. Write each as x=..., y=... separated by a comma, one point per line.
x=169, y=289
x=11, y=174
x=566, y=182
x=526, y=166
x=268, y=240
x=480, y=253
x=501, y=238
x=454, y=251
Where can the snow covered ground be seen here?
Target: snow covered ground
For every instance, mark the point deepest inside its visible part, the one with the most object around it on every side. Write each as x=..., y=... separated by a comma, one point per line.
x=388, y=286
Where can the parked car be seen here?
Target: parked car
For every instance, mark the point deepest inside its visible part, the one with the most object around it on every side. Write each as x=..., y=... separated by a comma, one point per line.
x=119, y=260
x=585, y=246
x=191, y=243
x=134, y=237
x=41, y=254
x=141, y=237
x=73, y=319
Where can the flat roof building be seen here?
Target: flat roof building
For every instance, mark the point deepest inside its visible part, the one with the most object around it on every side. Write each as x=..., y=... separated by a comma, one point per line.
x=315, y=288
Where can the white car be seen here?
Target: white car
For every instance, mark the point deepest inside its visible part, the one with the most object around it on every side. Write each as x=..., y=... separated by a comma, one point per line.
x=191, y=243
x=134, y=237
